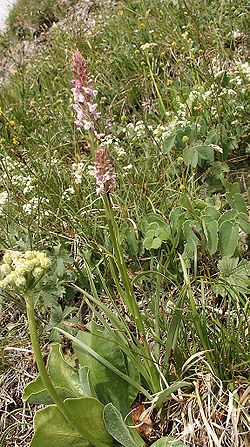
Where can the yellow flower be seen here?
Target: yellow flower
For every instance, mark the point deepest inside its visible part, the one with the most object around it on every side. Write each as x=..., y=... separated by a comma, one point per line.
x=142, y=25
x=15, y=141
x=185, y=139
x=180, y=160
x=169, y=82
x=11, y=123
x=182, y=187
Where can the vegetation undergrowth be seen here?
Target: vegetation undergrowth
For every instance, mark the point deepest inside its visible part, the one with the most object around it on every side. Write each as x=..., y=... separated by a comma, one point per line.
x=158, y=255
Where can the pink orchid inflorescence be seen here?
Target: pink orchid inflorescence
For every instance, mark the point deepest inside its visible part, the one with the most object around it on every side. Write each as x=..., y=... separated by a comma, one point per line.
x=103, y=171
x=83, y=93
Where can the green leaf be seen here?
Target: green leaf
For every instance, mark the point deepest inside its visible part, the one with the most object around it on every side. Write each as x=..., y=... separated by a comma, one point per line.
x=211, y=233
x=191, y=238
x=228, y=215
x=168, y=143
x=244, y=222
x=87, y=386
x=168, y=391
x=211, y=137
x=227, y=265
x=64, y=377
x=156, y=243
x=228, y=238
x=190, y=156
x=148, y=241
x=237, y=202
x=205, y=152
x=108, y=385
x=116, y=426
x=35, y=393
x=168, y=442
x=52, y=430
x=87, y=412
x=61, y=372
x=212, y=212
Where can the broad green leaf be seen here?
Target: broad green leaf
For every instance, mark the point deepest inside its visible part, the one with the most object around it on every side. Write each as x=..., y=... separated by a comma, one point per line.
x=39, y=395
x=168, y=143
x=244, y=222
x=156, y=243
x=108, y=385
x=168, y=442
x=237, y=202
x=87, y=412
x=175, y=215
x=228, y=215
x=211, y=233
x=212, y=212
x=148, y=241
x=61, y=372
x=153, y=226
x=117, y=428
x=227, y=265
x=205, y=152
x=211, y=137
x=64, y=377
x=85, y=380
x=190, y=156
x=228, y=238
x=191, y=238
x=51, y=429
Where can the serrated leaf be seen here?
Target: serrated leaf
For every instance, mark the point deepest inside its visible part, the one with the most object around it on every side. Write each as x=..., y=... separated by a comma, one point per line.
x=228, y=238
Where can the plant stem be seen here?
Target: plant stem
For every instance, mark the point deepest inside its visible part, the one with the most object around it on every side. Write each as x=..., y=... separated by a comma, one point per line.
x=129, y=296
x=45, y=376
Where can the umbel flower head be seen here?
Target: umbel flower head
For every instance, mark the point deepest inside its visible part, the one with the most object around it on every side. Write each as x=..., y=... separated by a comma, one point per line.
x=83, y=93
x=17, y=268
x=103, y=171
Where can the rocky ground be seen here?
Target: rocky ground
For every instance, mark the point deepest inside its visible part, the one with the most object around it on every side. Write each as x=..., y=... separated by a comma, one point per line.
x=79, y=18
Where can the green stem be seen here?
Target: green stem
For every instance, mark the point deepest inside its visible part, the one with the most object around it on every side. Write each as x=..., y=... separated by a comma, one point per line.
x=45, y=376
x=129, y=296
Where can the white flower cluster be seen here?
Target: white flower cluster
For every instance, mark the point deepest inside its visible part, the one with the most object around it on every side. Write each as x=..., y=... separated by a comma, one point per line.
x=3, y=200
x=78, y=171
x=33, y=204
x=16, y=267
x=113, y=143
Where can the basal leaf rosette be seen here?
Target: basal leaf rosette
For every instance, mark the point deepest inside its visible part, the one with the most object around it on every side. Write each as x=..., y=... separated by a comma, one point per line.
x=23, y=270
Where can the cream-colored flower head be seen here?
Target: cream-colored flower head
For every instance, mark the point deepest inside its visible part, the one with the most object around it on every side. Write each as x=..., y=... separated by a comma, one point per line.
x=17, y=268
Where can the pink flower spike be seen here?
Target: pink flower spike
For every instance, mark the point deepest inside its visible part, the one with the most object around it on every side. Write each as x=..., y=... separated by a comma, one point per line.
x=103, y=171
x=83, y=94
